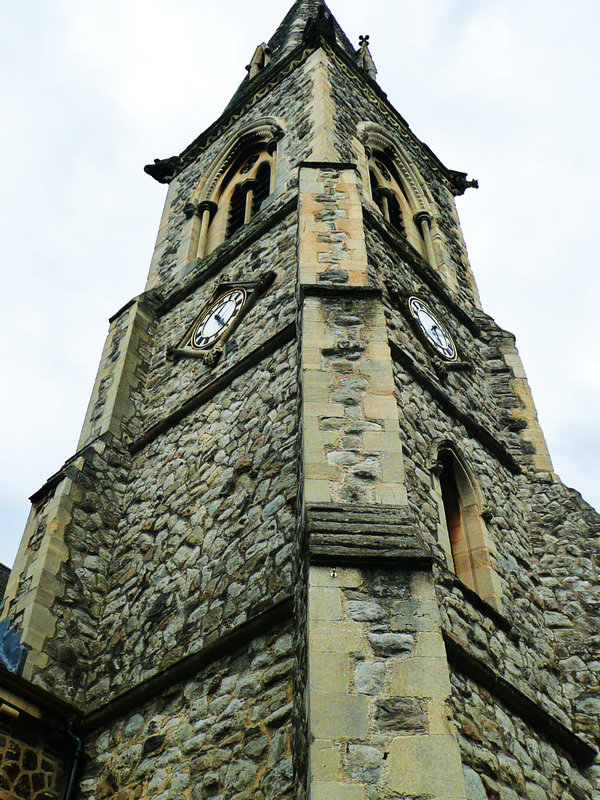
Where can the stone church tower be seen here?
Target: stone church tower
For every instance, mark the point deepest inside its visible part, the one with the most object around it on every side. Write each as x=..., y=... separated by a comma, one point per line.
x=311, y=544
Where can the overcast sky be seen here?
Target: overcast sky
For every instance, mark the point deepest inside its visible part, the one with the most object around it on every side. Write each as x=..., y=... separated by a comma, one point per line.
x=92, y=90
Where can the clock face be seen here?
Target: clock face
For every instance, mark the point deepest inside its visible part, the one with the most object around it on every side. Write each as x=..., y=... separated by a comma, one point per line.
x=432, y=328
x=217, y=318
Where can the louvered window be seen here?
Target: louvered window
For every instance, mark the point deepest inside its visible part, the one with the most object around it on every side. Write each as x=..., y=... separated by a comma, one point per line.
x=261, y=190
x=395, y=213
x=237, y=208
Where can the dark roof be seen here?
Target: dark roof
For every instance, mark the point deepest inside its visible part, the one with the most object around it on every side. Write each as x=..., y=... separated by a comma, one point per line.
x=291, y=31
x=289, y=34
x=4, y=575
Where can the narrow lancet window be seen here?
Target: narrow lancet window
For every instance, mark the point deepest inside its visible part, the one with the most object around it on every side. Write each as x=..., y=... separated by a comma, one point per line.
x=470, y=552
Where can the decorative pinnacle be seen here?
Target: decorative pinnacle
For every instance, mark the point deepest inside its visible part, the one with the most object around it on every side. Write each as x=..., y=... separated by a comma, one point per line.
x=364, y=57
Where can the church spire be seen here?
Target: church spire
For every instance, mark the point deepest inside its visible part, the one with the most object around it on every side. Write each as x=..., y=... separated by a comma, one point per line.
x=304, y=17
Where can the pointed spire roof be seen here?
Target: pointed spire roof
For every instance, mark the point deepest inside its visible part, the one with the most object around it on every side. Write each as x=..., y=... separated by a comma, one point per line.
x=290, y=33
x=305, y=19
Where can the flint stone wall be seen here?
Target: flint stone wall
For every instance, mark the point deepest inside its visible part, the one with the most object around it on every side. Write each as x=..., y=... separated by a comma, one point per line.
x=171, y=382
x=206, y=536
x=226, y=733
x=504, y=758
x=566, y=541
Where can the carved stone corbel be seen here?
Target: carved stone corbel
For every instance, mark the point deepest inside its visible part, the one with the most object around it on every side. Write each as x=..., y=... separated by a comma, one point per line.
x=164, y=170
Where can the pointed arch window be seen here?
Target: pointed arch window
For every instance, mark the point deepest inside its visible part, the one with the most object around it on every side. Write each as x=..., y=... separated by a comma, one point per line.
x=240, y=195
x=462, y=531
x=389, y=195
x=236, y=186
x=245, y=188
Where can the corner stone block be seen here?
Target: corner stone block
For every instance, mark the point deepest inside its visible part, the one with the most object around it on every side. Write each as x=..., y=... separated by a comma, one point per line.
x=339, y=716
x=381, y=406
x=325, y=760
x=344, y=578
x=317, y=491
x=439, y=774
x=430, y=645
x=391, y=495
x=339, y=638
x=330, y=790
x=329, y=673
x=325, y=603
x=420, y=677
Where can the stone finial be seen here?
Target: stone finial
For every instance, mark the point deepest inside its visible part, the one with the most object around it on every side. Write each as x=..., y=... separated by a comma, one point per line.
x=260, y=59
x=364, y=57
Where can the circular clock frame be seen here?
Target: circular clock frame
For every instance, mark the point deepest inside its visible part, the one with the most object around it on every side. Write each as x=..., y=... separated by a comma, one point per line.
x=432, y=330
x=216, y=319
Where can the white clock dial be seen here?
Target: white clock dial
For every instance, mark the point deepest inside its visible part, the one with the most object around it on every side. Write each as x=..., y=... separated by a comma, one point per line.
x=433, y=330
x=217, y=318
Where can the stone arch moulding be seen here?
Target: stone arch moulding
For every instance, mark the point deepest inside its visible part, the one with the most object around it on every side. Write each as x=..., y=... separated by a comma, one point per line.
x=265, y=130
x=205, y=211
x=374, y=138
x=469, y=549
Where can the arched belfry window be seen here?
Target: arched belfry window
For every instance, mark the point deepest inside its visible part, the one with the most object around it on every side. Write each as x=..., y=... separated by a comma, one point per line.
x=235, y=190
x=462, y=531
x=244, y=189
x=262, y=188
x=388, y=193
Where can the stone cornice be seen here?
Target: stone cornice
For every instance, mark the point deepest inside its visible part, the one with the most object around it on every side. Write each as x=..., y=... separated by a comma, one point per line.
x=422, y=269
x=203, y=269
x=456, y=180
x=354, y=534
x=339, y=290
x=255, y=90
x=264, y=82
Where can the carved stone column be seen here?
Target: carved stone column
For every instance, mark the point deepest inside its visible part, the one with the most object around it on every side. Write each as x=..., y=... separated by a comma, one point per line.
x=423, y=220
x=206, y=211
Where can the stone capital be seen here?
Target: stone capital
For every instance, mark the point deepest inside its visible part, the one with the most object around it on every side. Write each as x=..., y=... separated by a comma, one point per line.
x=207, y=205
x=422, y=216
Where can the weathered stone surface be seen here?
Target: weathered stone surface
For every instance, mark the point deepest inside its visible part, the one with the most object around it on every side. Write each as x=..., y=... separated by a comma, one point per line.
x=140, y=557
x=401, y=714
x=205, y=735
x=388, y=644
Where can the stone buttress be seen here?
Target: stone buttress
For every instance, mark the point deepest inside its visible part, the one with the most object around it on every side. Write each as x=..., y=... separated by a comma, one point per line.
x=311, y=544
